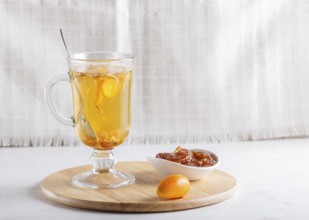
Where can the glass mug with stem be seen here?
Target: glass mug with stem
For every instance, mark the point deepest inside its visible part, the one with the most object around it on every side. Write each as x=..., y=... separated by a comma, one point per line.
x=101, y=90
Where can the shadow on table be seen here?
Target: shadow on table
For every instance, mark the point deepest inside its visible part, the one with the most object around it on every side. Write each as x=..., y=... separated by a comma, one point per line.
x=37, y=194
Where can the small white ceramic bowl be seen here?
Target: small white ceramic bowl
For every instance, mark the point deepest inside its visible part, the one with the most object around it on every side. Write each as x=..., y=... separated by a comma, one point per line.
x=166, y=167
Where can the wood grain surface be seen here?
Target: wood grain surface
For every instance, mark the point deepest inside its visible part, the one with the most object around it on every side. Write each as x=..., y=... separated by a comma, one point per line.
x=139, y=197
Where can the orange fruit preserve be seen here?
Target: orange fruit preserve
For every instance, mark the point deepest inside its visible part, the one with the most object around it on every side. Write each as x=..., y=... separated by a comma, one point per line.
x=173, y=187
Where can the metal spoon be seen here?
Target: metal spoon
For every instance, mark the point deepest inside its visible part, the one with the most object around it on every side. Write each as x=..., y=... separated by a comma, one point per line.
x=88, y=131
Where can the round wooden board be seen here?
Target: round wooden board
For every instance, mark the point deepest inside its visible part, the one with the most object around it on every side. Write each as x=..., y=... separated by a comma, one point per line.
x=139, y=197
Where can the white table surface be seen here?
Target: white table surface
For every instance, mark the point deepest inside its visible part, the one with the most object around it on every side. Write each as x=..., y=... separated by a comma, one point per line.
x=273, y=181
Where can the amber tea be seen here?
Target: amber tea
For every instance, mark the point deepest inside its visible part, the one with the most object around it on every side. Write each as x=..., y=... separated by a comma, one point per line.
x=103, y=98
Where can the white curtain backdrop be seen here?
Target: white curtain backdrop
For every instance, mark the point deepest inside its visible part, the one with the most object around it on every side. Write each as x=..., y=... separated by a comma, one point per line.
x=206, y=70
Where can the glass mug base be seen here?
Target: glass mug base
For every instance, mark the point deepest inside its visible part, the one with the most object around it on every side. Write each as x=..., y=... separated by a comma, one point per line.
x=103, y=173
x=111, y=179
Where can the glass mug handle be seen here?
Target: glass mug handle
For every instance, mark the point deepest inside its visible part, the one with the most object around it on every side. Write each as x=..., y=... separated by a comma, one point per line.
x=50, y=102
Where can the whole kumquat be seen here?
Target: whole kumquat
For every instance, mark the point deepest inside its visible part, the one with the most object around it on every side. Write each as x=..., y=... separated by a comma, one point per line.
x=173, y=187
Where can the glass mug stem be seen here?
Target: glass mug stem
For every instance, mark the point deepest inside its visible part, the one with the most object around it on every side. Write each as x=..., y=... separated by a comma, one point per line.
x=102, y=161
x=101, y=90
